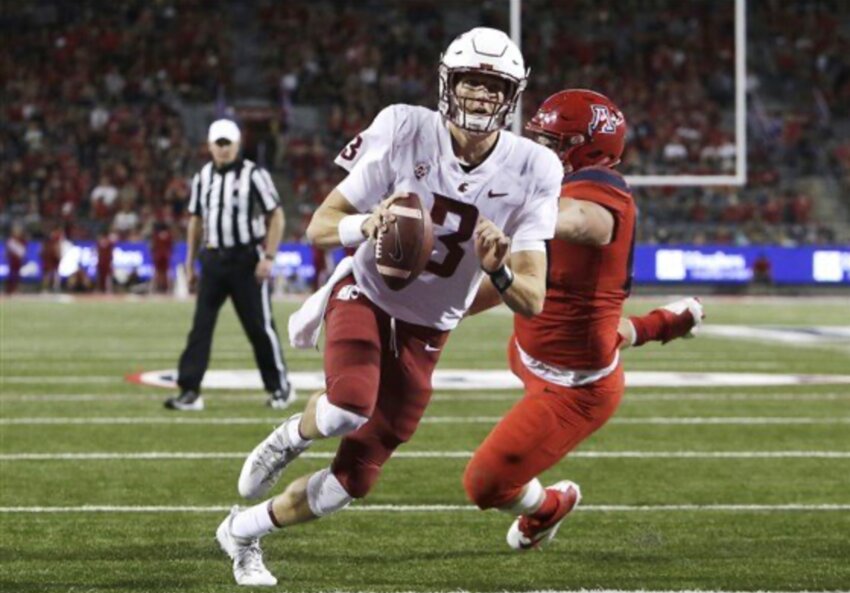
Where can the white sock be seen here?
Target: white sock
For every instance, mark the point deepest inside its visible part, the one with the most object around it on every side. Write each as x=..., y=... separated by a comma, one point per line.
x=294, y=433
x=254, y=522
x=531, y=499
x=634, y=333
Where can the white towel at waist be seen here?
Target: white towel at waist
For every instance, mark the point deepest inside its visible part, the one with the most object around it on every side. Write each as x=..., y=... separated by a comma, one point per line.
x=305, y=324
x=563, y=376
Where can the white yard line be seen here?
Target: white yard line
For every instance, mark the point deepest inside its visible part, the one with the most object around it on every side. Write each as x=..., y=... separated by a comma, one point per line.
x=655, y=420
x=64, y=379
x=722, y=420
x=178, y=455
x=249, y=397
x=439, y=508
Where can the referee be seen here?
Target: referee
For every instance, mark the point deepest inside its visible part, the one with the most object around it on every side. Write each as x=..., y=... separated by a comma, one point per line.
x=235, y=208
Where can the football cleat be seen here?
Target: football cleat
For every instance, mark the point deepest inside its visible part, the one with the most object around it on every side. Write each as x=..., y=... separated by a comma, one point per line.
x=264, y=466
x=526, y=532
x=280, y=398
x=187, y=401
x=686, y=320
x=247, y=556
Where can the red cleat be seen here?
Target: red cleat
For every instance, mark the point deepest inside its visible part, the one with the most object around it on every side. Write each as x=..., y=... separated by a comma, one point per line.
x=527, y=532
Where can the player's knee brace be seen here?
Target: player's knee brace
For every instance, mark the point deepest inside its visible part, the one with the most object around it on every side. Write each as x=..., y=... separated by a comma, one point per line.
x=325, y=495
x=333, y=421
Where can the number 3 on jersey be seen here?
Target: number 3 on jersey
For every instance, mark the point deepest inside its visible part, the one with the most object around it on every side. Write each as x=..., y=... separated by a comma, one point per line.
x=351, y=150
x=468, y=214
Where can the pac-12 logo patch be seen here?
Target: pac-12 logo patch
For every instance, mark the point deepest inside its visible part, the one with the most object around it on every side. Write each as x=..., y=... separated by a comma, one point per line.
x=604, y=121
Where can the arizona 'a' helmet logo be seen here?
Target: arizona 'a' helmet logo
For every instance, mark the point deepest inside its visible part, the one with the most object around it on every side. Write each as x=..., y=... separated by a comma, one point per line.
x=604, y=120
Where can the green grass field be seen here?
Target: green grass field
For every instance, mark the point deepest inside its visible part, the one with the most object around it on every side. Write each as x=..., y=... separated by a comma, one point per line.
x=756, y=498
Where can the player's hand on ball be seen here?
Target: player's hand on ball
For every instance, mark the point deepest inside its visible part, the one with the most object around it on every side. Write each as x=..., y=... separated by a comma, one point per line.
x=491, y=245
x=380, y=218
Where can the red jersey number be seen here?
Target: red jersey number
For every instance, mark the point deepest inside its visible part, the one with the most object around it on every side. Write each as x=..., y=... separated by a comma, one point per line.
x=350, y=151
x=454, y=250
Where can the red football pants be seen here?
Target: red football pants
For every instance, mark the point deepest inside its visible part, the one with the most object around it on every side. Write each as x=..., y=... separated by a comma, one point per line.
x=379, y=368
x=546, y=424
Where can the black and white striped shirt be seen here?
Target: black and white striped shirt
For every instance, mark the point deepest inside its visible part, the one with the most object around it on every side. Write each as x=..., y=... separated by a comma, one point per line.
x=233, y=203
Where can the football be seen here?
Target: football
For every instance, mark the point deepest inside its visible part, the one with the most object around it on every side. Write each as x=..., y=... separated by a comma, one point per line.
x=403, y=250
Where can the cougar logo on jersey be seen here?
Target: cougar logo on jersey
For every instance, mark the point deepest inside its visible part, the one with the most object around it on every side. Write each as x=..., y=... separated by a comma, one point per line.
x=421, y=170
x=604, y=121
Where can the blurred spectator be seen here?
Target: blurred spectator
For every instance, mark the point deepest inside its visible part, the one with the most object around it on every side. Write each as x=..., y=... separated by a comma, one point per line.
x=79, y=282
x=762, y=271
x=162, y=245
x=126, y=220
x=105, y=248
x=103, y=198
x=16, y=252
x=51, y=255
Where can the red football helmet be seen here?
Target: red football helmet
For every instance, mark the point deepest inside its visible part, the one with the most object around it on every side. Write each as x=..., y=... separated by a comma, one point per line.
x=584, y=128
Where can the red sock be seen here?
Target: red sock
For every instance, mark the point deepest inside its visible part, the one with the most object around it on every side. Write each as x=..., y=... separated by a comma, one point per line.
x=654, y=326
x=547, y=507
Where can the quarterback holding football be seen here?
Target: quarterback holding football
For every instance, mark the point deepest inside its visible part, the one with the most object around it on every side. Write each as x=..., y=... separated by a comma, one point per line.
x=492, y=201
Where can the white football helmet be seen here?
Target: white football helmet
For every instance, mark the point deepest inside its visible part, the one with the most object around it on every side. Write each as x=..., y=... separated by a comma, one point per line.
x=483, y=51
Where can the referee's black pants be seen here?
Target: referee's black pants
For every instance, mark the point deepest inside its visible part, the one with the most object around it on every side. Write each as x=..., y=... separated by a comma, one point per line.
x=230, y=272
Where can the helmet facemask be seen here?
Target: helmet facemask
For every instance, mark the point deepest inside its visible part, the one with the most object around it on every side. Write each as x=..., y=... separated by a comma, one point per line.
x=454, y=108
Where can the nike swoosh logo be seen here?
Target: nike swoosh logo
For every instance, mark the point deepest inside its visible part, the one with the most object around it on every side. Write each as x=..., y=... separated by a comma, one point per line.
x=430, y=348
x=490, y=194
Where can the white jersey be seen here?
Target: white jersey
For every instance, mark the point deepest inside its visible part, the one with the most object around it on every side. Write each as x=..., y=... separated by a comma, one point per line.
x=409, y=149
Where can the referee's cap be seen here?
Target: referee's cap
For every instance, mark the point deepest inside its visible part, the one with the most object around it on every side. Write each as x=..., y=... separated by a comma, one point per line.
x=224, y=129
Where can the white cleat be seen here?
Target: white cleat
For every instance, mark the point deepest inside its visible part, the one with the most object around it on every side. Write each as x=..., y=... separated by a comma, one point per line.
x=687, y=326
x=264, y=466
x=248, y=567
x=526, y=533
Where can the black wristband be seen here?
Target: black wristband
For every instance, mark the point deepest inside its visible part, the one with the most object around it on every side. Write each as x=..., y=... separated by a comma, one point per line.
x=269, y=256
x=502, y=278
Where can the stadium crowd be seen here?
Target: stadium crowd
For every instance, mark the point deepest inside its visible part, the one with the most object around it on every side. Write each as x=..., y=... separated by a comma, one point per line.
x=93, y=135
x=681, y=123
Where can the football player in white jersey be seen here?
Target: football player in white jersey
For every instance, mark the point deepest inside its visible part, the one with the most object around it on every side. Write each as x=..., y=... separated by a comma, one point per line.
x=493, y=199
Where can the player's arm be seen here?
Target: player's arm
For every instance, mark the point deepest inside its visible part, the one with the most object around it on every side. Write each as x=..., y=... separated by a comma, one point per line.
x=337, y=222
x=585, y=222
x=487, y=297
x=323, y=230
x=341, y=220
x=521, y=278
x=528, y=290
